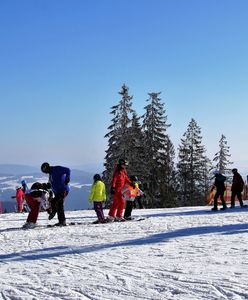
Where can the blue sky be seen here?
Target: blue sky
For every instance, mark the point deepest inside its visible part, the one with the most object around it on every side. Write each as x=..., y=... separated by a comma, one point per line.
x=63, y=62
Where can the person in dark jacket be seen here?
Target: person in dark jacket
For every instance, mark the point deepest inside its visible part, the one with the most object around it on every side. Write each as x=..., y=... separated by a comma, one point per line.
x=237, y=188
x=59, y=177
x=219, y=184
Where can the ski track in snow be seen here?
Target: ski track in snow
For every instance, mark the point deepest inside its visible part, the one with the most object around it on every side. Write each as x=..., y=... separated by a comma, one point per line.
x=181, y=253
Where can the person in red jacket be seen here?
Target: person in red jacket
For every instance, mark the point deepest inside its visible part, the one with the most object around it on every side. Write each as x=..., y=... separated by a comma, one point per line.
x=119, y=180
x=19, y=199
x=237, y=188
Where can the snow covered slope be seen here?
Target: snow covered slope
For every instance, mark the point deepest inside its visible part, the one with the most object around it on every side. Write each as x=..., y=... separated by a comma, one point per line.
x=183, y=253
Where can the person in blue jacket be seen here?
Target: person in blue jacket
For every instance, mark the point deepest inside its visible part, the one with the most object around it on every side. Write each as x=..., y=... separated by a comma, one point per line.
x=59, y=177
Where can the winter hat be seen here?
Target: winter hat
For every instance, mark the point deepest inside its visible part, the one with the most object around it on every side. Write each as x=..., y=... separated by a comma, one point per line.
x=45, y=167
x=122, y=162
x=97, y=177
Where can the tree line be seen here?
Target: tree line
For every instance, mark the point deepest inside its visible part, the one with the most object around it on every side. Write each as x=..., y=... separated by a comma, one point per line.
x=144, y=142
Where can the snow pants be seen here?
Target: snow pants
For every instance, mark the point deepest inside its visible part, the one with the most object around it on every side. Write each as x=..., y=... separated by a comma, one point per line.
x=117, y=207
x=57, y=204
x=239, y=196
x=128, y=209
x=99, y=211
x=34, y=206
x=216, y=196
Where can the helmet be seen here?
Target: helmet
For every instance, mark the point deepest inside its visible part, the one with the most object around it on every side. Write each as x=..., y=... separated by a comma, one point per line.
x=45, y=167
x=23, y=182
x=134, y=178
x=122, y=162
x=97, y=177
x=234, y=170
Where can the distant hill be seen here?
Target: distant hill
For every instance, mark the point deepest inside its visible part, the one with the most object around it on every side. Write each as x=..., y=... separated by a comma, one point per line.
x=13, y=169
x=12, y=175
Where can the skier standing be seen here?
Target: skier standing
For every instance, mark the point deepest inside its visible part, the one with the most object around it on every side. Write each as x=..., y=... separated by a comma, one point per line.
x=19, y=199
x=119, y=180
x=59, y=177
x=130, y=192
x=237, y=188
x=98, y=196
x=219, y=184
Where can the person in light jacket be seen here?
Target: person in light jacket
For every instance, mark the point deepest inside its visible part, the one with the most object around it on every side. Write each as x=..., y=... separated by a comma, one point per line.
x=98, y=196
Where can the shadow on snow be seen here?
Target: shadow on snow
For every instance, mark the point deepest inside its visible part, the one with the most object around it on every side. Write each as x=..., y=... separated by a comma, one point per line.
x=51, y=252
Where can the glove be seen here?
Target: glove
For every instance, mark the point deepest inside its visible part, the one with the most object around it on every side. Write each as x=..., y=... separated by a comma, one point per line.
x=112, y=190
x=67, y=180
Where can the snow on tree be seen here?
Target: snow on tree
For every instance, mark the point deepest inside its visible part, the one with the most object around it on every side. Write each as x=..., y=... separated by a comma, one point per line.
x=136, y=152
x=192, y=167
x=118, y=135
x=221, y=158
x=156, y=142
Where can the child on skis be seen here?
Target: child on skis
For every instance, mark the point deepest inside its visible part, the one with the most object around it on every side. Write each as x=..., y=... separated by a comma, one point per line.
x=39, y=196
x=130, y=192
x=98, y=196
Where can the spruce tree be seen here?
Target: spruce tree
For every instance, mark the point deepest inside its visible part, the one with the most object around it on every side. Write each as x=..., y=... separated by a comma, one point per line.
x=192, y=166
x=221, y=158
x=118, y=135
x=136, y=152
x=156, y=142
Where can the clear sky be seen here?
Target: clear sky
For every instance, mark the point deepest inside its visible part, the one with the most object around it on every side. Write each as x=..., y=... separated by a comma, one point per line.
x=62, y=63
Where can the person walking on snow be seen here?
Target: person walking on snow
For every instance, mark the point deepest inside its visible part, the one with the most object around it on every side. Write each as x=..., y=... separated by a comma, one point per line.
x=119, y=180
x=98, y=196
x=59, y=177
x=237, y=188
x=39, y=196
x=219, y=184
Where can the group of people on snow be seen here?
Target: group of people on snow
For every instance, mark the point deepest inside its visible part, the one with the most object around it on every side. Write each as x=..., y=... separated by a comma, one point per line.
x=123, y=189
x=236, y=189
x=50, y=196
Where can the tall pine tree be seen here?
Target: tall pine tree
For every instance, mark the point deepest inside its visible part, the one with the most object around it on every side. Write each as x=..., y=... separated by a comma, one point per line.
x=156, y=143
x=221, y=158
x=119, y=134
x=192, y=166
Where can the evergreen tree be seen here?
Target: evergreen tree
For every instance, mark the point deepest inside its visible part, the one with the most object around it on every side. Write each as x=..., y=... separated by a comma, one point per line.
x=168, y=185
x=136, y=152
x=156, y=147
x=221, y=158
x=118, y=135
x=192, y=166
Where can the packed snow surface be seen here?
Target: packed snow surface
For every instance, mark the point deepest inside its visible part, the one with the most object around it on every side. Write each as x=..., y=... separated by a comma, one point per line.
x=182, y=253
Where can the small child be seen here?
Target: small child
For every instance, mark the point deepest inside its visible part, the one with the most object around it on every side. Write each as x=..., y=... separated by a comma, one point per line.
x=130, y=192
x=98, y=196
x=38, y=197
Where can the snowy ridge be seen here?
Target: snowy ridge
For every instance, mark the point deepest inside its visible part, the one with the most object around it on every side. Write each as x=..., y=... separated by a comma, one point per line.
x=182, y=253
